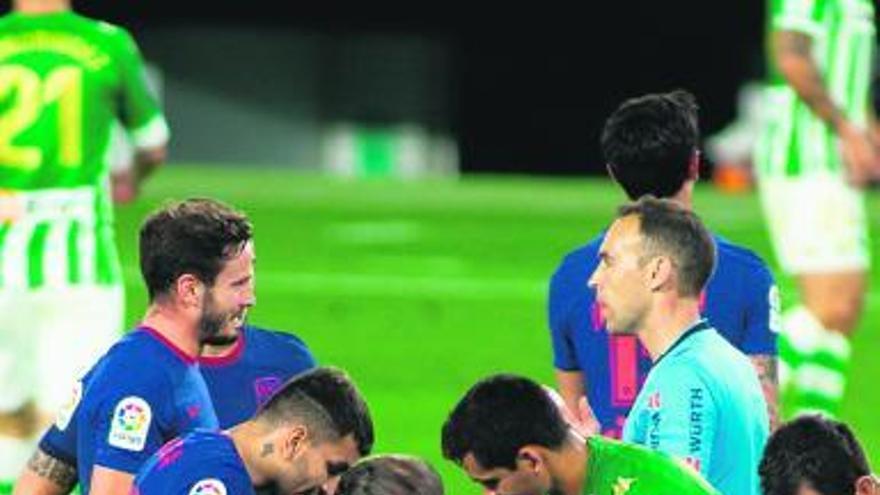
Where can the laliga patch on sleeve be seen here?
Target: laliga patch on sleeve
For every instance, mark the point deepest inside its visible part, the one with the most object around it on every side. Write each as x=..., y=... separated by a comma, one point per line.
x=130, y=424
x=209, y=486
x=775, y=301
x=65, y=413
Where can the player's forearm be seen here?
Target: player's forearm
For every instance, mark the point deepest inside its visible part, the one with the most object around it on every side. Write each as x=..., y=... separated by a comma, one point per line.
x=571, y=388
x=768, y=376
x=46, y=475
x=791, y=53
x=106, y=481
x=147, y=160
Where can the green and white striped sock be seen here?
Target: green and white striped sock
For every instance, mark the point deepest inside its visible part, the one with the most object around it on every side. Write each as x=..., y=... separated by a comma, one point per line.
x=814, y=363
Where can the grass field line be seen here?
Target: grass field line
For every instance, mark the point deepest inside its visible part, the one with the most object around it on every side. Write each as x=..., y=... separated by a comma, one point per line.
x=481, y=288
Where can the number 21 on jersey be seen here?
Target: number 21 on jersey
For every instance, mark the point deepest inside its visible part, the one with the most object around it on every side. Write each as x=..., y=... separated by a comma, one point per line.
x=26, y=98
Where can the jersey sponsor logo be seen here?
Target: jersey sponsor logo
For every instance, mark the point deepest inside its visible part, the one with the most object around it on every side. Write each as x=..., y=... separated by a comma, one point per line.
x=775, y=302
x=264, y=387
x=65, y=413
x=209, y=486
x=130, y=424
x=695, y=421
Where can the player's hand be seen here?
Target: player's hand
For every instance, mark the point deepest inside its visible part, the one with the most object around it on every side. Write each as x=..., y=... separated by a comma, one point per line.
x=123, y=187
x=860, y=154
x=582, y=421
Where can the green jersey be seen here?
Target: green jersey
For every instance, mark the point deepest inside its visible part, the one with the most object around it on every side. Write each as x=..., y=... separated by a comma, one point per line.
x=617, y=468
x=795, y=142
x=65, y=80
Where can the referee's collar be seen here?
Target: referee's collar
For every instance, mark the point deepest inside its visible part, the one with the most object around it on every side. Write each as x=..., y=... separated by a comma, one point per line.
x=696, y=328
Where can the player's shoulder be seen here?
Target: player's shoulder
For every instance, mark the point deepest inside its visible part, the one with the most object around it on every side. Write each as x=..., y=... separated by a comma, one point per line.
x=580, y=259
x=275, y=342
x=737, y=257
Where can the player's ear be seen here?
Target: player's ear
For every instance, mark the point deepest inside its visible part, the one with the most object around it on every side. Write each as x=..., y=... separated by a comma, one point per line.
x=660, y=271
x=530, y=459
x=293, y=441
x=868, y=485
x=189, y=290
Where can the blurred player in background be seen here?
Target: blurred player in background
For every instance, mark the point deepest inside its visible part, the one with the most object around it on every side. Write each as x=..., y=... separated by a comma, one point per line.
x=197, y=260
x=813, y=455
x=64, y=81
x=312, y=429
x=817, y=151
x=650, y=146
x=509, y=436
x=390, y=474
x=701, y=401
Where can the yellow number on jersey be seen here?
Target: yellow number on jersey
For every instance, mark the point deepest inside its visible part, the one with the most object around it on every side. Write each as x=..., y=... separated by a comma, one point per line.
x=31, y=96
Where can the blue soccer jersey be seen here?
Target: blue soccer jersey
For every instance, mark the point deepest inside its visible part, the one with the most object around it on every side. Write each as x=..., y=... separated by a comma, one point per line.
x=142, y=393
x=260, y=362
x=741, y=301
x=702, y=403
x=199, y=463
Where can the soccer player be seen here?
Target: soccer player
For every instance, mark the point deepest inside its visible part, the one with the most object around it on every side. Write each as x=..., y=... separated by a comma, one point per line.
x=312, y=429
x=64, y=81
x=244, y=366
x=390, y=474
x=701, y=400
x=650, y=146
x=817, y=149
x=813, y=455
x=197, y=259
x=508, y=435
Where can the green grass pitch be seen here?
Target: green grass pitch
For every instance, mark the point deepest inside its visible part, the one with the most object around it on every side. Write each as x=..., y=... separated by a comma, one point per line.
x=418, y=289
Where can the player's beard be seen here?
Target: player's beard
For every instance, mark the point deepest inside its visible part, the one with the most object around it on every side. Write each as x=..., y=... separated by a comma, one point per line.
x=212, y=323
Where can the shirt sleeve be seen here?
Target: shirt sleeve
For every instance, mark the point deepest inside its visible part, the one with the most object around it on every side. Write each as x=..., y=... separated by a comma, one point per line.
x=763, y=318
x=796, y=15
x=683, y=419
x=559, y=320
x=140, y=112
x=128, y=426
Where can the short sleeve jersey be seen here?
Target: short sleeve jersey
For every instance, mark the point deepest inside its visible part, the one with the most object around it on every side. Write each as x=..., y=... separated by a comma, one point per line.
x=616, y=468
x=141, y=394
x=701, y=402
x=199, y=463
x=260, y=362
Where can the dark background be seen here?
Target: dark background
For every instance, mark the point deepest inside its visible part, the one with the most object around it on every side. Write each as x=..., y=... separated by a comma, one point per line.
x=530, y=86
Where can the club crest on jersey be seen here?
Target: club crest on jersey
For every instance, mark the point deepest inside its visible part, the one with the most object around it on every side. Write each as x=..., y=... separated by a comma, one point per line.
x=130, y=424
x=65, y=413
x=264, y=387
x=210, y=486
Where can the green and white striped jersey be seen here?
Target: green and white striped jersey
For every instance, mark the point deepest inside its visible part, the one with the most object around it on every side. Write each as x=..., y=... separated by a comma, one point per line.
x=64, y=82
x=795, y=142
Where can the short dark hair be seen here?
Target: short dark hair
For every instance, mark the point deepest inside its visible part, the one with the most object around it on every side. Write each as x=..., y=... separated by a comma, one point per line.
x=670, y=229
x=648, y=143
x=813, y=450
x=328, y=401
x=390, y=474
x=194, y=236
x=498, y=416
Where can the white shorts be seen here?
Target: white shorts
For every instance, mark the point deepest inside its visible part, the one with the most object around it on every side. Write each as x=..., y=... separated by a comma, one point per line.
x=49, y=337
x=818, y=224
